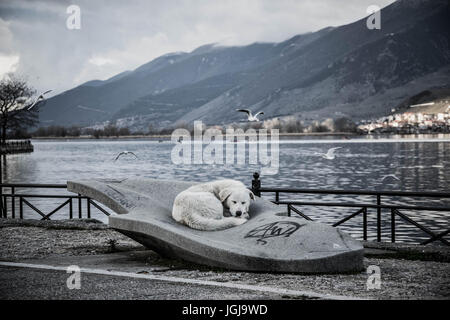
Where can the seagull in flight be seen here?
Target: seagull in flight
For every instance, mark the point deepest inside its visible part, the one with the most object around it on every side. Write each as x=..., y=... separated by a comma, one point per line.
x=390, y=176
x=38, y=99
x=251, y=117
x=125, y=153
x=330, y=155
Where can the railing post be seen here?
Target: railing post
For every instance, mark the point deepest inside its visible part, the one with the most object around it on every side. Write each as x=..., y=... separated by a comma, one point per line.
x=5, y=205
x=365, y=224
x=13, y=203
x=71, y=209
x=21, y=207
x=88, y=203
x=392, y=225
x=277, y=197
x=256, y=185
x=378, y=218
x=288, y=210
x=2, y=213
x=79, y=206
x=1, y=184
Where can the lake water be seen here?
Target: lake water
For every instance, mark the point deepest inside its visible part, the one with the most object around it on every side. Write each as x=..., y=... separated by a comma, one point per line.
x=422, y=163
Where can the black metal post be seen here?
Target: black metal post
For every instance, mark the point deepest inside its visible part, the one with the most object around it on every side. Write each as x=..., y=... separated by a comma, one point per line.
x=5, y=207
x=13, y=202
x=88, y=203
x=365, y=224
x=1, y=190
x=378, y=218
x=256, y=185
x=70, y=209
x=79, y=206
x=2, y=211
x=20, y=207
x=392, y=225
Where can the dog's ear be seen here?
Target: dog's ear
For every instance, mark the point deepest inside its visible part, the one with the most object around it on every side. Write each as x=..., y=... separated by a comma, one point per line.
x=224, y=194
x=252, y=196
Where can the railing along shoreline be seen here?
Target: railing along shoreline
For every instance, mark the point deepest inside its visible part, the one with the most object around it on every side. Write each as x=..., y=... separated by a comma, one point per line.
x=8, y=199
x=363, y=207
x=21, y=197
x=12, y=147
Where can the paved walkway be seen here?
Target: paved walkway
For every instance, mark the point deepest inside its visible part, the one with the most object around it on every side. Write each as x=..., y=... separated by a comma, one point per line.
x=44, y=281
x=35, y=256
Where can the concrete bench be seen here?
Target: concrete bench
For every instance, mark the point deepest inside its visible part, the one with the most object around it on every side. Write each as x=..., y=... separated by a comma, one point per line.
x=270, y=241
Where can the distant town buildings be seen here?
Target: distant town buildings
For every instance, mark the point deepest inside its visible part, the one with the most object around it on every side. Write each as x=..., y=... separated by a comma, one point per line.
x=409, y=122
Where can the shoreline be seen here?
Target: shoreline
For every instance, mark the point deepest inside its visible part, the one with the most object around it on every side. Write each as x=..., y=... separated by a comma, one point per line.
x=344, y=135
x=168, y=136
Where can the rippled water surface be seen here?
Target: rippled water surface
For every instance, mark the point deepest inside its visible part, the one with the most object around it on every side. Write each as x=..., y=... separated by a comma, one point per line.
x=421, y=163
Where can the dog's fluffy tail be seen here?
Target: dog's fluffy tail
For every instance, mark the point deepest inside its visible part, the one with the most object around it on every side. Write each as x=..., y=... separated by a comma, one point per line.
x=199, y=222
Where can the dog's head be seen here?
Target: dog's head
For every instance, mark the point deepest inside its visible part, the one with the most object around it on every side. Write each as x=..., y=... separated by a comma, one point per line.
x=237, y=200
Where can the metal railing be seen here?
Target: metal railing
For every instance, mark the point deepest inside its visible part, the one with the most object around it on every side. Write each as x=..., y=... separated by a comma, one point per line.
x=13, y=198
x=11, y=147
x=362, y=208
x=10, y=200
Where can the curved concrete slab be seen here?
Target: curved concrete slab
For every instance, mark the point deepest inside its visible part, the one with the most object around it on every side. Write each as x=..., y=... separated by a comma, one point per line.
x=269, y=241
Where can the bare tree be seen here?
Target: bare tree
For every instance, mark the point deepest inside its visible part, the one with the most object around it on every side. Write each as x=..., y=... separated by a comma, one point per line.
x=15, y=101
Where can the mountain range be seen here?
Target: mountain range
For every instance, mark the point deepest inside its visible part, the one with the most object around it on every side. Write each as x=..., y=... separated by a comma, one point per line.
x=337, y=71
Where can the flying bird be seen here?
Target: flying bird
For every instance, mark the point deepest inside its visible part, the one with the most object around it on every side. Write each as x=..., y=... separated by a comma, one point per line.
x=125, y=153
x=390, y=176
x=38, y=99
x=251, y=117
x=330, y=155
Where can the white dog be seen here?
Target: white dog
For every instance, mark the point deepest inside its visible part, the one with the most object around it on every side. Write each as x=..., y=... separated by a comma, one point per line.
x=201, y=206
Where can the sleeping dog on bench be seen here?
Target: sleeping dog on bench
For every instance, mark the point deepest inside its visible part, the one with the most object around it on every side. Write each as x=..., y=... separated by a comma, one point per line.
x=202, y=206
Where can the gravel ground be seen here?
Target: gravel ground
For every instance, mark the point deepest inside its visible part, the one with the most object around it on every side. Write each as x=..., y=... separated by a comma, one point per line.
x=404, y=274
x=33, y=239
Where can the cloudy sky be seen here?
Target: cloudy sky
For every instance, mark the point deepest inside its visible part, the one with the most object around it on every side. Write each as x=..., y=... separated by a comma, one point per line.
x=121, y=35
